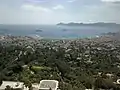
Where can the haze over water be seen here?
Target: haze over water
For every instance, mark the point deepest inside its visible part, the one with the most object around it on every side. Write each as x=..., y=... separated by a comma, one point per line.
x=24, y=17
x=54, y=31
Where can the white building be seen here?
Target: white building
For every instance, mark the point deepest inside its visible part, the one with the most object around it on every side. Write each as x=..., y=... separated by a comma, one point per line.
x=35, y=86
x=48, y=85
x=14, y=85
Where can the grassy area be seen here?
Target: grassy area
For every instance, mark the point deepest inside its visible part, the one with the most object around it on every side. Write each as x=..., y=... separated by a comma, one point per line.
x=38, y=68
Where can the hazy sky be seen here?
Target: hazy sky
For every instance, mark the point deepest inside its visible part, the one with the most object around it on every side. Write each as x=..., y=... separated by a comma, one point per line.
x=54, y=11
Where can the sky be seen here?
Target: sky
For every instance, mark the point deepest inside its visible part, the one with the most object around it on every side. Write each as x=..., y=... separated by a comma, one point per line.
x=55, y=11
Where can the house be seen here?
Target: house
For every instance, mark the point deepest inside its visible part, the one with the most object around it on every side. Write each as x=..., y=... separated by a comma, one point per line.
x=48, y=85
x=109, y=75
x=14, y=85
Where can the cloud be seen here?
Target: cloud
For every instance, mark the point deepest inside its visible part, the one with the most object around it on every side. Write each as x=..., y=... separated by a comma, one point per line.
x=58, y=7
x=20, y=12
x=110, y=0
x=37, y=1
x=104, y=13
x=70, y=1
x=35, y=8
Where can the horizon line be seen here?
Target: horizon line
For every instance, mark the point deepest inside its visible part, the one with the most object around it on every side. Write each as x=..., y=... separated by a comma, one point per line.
x=60, y=22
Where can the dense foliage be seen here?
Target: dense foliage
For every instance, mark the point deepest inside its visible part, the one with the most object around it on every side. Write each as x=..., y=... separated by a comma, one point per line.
x=76, y=67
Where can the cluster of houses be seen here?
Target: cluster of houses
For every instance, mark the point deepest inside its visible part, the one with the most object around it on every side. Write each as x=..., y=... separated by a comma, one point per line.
x=43, y=85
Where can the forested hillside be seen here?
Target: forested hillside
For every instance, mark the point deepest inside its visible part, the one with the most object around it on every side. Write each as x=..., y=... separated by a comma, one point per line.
x=76, y=64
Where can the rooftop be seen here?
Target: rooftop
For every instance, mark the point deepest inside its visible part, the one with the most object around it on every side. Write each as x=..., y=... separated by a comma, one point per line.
x=12, y=84
x=47, y=84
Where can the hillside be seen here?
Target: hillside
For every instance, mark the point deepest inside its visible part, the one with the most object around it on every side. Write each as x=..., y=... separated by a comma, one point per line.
x=76, y=64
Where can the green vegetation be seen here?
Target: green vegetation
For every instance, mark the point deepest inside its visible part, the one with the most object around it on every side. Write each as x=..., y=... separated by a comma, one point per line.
x=75, y=69
x=38, y=68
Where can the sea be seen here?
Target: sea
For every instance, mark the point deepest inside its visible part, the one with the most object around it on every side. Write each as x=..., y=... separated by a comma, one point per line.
x=56, y=32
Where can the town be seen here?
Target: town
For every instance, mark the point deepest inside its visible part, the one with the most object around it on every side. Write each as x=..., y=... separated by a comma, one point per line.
x=76, y=64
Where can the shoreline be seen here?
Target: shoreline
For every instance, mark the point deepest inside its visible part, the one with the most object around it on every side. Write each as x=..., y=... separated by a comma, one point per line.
x=54, y=38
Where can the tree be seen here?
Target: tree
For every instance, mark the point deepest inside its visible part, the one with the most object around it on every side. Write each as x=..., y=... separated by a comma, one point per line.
x=8, y=88
x=98, y=83
x=62, y=67
x=1, y=81
x=88, y=85
x=104, y=83
x=28, y=84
